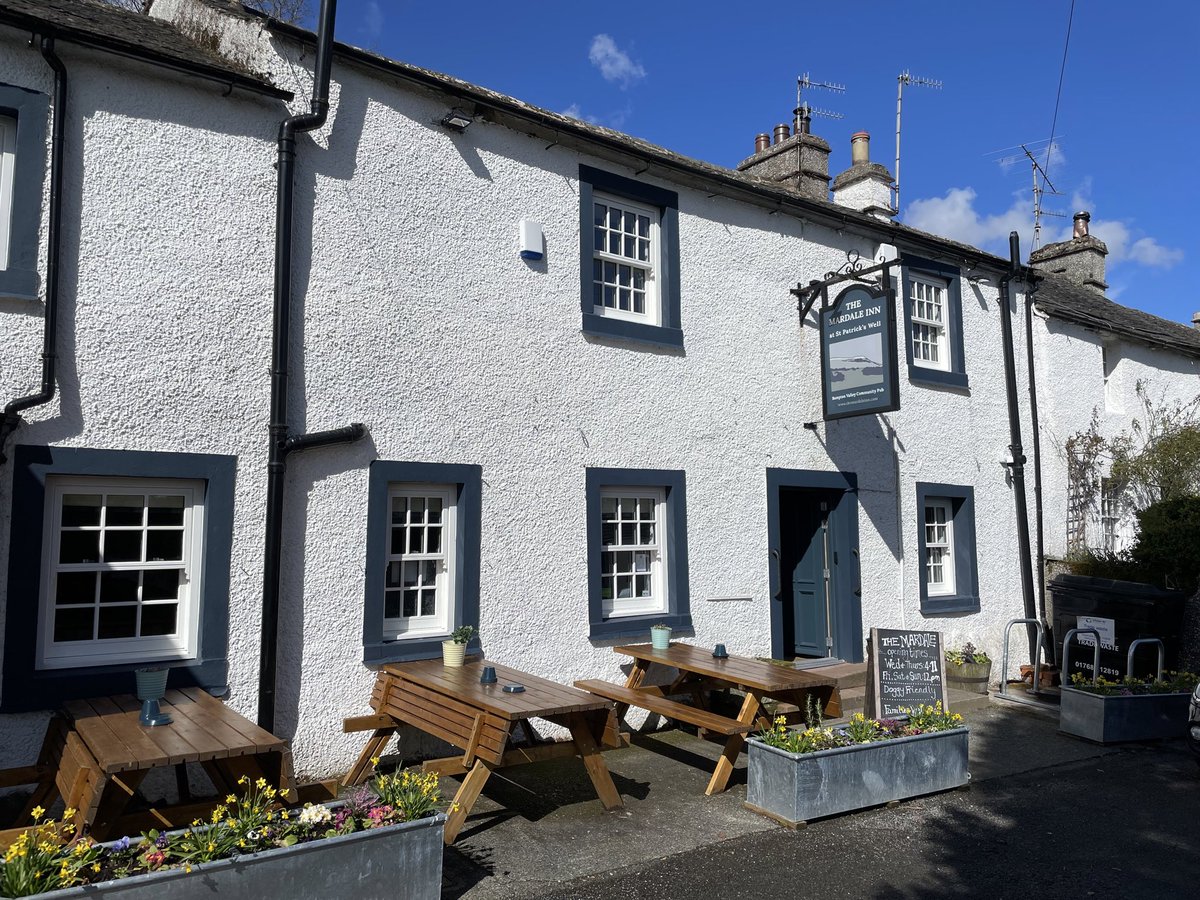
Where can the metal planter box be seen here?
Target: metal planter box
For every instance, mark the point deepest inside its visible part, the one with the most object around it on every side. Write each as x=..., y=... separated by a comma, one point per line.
x=795, y=787
x=399, y=862
x=1107, y=719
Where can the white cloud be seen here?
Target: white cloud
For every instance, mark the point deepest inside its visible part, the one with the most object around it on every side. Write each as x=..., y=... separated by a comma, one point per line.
x=955, y=216
x=614, y=63
x=373, y=19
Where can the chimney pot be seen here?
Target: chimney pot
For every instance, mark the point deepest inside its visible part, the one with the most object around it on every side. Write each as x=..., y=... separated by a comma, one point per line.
x=803, y=120
x=860, y=148
x=761, y=142
x=1081, y=224
x=1196, y=320
x=781, y=133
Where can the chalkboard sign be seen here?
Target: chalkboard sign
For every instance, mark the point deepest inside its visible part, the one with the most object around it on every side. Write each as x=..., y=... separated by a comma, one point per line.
x=904, y=669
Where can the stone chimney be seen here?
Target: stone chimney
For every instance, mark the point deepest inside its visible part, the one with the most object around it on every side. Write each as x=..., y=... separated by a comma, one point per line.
x=799, y=161
x=1081, y=259
x=865, y=186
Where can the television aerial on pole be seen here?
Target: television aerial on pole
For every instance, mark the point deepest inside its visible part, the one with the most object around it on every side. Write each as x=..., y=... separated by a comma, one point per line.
x=803, y=111
x=902, y=79
x=1041, y=181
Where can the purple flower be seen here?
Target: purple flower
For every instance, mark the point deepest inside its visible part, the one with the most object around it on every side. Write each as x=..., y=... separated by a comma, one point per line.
x=161, y=842
x=122, y=844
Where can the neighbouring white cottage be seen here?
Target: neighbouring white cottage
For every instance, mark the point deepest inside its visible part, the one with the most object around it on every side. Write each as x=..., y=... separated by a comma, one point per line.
x=619, y=426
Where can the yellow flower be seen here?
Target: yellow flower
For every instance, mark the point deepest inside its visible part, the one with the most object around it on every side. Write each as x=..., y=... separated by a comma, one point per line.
x=283, y=815
x=231, y=799
x=374, y=760
x=195, y=822
x=261, y=783
x=37, y=813
x=95, y=867
x=187, y=868
x=68, y=814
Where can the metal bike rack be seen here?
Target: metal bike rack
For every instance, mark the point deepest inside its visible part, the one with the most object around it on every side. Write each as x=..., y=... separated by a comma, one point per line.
x=1037, y=665
x=1162, y=655
x=1066, y=658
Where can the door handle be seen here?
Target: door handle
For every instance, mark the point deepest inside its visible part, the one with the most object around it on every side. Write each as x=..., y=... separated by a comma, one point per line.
x=778, y=574
x=858, y=586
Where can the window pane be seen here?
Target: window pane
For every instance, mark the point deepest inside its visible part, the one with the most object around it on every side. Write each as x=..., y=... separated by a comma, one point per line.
x=630, y=246
x=435, y=509
x=80, y=547
x=75, y=587
x=410, y=604
x=429, y=602
x=161, y=584
x=415, y=543
x=429, y=572
x=643, y=226
x=165, y=511
x=391, y=577
x=610, y=272
x=416, y=509
x=163, y=544
x=159, y=619
x=397, y=542
x=628, y=534
x=614, y=242
x=647, y=535
x=433, y=540
x=643, y=585
x=600, y=212
x=625, y=299
x=399, y=510
x=122, y=509
x=608, y=508
x=628, y=508
x=643, y=251
x=412, y=574
x=73, y=624
x=117, y=622
x=624, y=586
x=614, y=218
x=608, y=534
x=122, y=546
x=80, y=509
x=119, y=587
x=391, y=605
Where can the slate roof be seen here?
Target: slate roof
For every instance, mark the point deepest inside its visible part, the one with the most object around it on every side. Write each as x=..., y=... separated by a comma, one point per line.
x=96, y=24
x=1063, y=299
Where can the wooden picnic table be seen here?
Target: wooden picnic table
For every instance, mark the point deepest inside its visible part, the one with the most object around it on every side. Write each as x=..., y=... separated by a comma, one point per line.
x=700, y=672
x=450, y=703
x=97, y=754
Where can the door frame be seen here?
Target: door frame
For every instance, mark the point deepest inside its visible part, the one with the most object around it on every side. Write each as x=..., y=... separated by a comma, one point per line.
x=847, y=579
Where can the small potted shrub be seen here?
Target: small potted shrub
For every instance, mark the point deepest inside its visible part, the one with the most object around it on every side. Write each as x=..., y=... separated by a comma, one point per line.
x=968, y=669
x=660, y=636
x=454, y=651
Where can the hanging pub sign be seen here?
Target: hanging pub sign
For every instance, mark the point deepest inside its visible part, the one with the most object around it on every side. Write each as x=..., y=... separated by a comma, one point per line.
x=858, y=353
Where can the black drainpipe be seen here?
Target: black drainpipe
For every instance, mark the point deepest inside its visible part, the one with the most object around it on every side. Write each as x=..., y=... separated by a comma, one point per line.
x=12, y=412
x=1031, y=288
x=1017, y=466
x=281, y=444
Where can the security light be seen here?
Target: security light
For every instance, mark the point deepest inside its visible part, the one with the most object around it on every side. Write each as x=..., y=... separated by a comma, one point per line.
x=457, y=120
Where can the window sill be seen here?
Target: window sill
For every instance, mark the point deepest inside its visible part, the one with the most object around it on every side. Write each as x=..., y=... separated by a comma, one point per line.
x=51, y=688
x=950, y=603
x=937, y=377
x=656, y=335
x=638, y=626
x=409, y=650
x=19, y=284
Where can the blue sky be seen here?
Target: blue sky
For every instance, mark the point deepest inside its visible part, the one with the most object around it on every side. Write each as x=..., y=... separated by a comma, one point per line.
x=702, y=78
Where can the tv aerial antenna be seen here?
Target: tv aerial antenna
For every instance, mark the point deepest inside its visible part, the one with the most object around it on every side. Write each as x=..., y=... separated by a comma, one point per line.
x=906, y=78
x=803, y=111
x=1041, y=181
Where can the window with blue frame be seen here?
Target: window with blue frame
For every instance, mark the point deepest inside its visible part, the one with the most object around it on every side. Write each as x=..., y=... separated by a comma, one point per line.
x=949, y=570
x=931, y=294
x=637, y=551
x=629, y=259
x=423, y=545
x=118, y=558
x=23, y=115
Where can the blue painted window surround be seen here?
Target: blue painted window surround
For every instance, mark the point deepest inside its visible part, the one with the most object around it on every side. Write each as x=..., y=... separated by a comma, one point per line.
x=377, y=647
x=956, y=375
x=669, y=333
x=30, y=110
x=25, y=687
x=678, y=612
x=966, y=568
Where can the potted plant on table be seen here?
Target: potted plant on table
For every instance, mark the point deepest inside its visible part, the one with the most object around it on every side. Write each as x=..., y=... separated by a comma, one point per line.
x=968, y=669
x=454, y=651
x=660, y=636
x=385, y=841
x=799, y=774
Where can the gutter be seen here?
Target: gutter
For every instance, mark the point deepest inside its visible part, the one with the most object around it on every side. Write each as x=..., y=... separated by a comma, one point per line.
x=1017, y=466
x=679, y=168
x=12, y=411
x=130, y=50
x=282, y=444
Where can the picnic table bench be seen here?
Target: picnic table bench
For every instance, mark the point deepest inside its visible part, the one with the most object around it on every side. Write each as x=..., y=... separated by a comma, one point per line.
x=96, y=755
x=450, y=703
x=701, y=672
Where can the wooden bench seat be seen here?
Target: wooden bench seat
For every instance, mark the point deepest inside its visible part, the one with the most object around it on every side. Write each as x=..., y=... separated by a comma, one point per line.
x=647, y=699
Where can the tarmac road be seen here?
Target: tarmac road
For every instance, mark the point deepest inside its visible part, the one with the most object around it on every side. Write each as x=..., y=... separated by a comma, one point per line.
x=1122, y=825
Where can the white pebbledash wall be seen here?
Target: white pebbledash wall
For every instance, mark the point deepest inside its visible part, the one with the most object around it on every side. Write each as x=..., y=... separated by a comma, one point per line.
x=419, y=319
x=1071, y=387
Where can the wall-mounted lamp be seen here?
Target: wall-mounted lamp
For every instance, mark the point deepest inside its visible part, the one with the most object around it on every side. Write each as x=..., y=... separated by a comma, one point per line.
x=457, y=120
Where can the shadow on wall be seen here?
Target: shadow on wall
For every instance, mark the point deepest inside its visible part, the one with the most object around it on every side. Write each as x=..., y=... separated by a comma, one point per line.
x=304, y=473
x=870, y=447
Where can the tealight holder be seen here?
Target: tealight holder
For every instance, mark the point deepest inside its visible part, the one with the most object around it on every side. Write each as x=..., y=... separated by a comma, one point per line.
x=719, y=652
x=488, y=676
